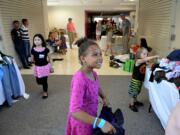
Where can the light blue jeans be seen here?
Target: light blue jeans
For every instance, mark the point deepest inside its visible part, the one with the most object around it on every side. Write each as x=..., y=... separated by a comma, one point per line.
x=6, y=83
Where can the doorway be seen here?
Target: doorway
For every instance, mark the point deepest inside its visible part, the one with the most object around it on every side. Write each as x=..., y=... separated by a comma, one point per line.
x=92, y=17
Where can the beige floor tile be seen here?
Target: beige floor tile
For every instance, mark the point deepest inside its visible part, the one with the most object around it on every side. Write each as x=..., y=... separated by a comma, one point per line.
x=70, y=64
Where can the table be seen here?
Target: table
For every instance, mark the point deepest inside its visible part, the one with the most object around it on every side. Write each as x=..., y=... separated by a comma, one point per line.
x=163, y=97
x=117, y=45
x=117, y=41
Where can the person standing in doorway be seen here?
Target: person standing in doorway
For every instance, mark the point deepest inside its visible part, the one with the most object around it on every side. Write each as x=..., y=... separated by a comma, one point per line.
x=25, y=38
x=71, y=31
x=98, y=30
x=109, y=39
x=18, y=44
x=126, y=33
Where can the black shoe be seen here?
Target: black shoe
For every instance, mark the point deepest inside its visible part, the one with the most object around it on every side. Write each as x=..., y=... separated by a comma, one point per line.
x=26, y=67
x=138, y=103
x=30, y=64
x=133, y=108
x=45, y=96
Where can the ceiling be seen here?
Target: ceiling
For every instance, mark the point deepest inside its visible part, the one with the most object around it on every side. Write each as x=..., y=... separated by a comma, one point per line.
x=90, y=2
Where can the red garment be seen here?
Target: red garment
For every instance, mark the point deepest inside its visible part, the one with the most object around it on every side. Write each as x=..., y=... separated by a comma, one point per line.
x=70, y=27
x=135, y=48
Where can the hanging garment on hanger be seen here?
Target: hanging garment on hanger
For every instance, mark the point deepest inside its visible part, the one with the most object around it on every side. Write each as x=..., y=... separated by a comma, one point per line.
x=14, y=81
x=2, y=98
x=7, y=85
x=1, y=59
x=8, y=59
x=2, y=54
x=21, y=82
x=1, y=73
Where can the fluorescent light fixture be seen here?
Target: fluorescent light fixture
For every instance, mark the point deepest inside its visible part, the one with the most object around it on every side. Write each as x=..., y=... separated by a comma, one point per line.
x=52, y=3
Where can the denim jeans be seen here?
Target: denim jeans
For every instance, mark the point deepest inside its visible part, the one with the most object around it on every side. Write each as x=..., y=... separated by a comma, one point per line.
x=21, y=53
x=27, y=50
x=6, y=83
x=14, y=81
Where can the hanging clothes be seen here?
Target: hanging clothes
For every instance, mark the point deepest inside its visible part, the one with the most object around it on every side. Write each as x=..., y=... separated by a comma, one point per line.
x=7, y=85
x=12, y=85
x=21, y=82
x=2, y=98
x=1, y=74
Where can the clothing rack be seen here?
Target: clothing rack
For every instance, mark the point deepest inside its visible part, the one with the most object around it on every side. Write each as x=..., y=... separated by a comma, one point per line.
x=11, y=84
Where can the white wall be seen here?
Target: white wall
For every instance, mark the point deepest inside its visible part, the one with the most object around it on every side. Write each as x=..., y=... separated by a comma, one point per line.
x=1, y=36
x=155, y=19
x=13, y=10
x=45, y=16
x=176, y=31
x=58, y=15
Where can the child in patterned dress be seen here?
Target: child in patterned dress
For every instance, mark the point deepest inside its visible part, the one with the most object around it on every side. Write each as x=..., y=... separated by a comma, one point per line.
x=85, y=89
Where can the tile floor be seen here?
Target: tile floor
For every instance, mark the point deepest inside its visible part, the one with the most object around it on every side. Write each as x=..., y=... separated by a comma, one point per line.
x=70, y=64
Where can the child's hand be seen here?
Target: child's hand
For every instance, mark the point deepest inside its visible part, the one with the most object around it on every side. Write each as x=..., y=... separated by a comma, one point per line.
x=105, y=101
x=108, y=128
x=51, y=70
x=157, y=56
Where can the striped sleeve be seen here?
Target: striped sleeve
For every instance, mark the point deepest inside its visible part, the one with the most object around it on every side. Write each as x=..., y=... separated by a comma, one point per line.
x=24, y=33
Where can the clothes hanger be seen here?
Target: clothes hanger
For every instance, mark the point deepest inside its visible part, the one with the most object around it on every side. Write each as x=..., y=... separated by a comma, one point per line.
x=2, y=54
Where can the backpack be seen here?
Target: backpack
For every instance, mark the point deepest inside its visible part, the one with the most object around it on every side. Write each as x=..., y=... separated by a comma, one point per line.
x=116, y=119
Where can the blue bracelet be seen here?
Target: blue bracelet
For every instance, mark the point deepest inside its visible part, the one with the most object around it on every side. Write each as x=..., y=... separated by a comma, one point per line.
x=101, y=123
x=94, y=124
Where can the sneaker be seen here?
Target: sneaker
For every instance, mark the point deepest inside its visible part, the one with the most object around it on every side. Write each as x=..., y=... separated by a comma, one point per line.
x=133, y=108
x=45, y=96
x=138, y=103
